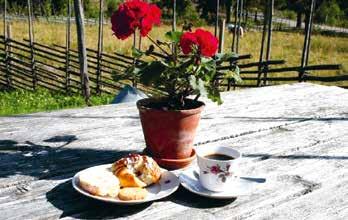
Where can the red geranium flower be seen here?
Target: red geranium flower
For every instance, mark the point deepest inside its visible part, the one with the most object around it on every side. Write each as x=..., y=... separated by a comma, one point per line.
x=155, y=14
x=187, y=41
x=135, y=14
x=206, y=42
x=121, y=23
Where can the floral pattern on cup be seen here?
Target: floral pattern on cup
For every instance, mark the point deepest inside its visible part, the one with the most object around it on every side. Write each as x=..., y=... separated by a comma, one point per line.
x=221, y=173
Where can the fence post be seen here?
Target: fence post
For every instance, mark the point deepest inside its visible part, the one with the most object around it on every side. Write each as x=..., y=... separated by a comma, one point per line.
x=217, y=18
x=67, y=49
x=222, y=35
x=5, y=18
x=8, y=55
x=235, y=26
x=174, y=16
x=239, y=24
x=7, y=48
x=79, y=19
x=100, y=45
x=31, y=44
x=310, y=31
x=269, y=38
x=306, y=44
x=264, y=32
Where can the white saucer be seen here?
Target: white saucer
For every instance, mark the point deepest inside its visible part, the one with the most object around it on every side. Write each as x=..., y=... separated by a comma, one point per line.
x=189, y=179
x=168, y=184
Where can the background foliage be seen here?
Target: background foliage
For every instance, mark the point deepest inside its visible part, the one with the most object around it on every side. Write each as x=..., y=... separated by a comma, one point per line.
x=332, y=12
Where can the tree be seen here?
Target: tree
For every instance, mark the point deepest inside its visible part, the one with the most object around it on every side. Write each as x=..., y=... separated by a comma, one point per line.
x=111, y=6
x=185, y=9
x=329, y=12
x=299, y=7
x=228, y=10
x=207, y=9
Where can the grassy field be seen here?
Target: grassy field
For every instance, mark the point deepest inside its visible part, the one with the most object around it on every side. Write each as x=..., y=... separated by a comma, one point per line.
x=285, y=45
x=22, y=101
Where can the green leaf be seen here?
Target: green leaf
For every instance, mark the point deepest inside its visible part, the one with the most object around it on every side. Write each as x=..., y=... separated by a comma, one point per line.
x=174, y=36
x=206, y=60
x=152, y=72
x=214, y=94
x=116, y=76
x=223, y=57
x=198, y=85
x=136, y=52
x=236, y=75
x=185, y=63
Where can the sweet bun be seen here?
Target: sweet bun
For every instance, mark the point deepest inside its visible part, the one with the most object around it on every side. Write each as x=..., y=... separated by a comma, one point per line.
x=132, y=193
x=136, y=171
x=100, y=182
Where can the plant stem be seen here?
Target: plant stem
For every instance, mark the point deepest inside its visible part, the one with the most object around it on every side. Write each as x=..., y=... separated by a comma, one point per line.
x=153, y=41
x=134, y=38
x=139, y=45
x=197, y=97
x=134, y=59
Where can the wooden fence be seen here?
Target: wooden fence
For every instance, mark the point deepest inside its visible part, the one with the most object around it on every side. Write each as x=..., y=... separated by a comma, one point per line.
x=57, y=70
x=51, y=71
x=27, y=64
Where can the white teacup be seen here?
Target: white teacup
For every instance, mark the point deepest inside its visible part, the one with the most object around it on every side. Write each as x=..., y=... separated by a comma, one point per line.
x=218, y=167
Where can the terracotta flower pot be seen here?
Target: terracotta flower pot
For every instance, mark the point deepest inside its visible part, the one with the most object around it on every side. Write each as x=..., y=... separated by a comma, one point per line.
x=169, y=134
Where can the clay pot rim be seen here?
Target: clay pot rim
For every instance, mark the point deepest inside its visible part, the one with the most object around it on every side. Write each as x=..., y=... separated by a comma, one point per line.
x=173, y=164
x=140, y=105
x=176, y=164
x=188, y=159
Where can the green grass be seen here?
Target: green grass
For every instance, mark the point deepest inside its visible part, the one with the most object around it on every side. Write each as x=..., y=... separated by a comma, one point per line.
x=23, y=101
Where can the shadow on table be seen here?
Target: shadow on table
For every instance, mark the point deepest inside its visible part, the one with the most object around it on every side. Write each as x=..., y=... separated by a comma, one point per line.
x=73, y=204
x=51, y=161
x=188, y=199
x=55, y=161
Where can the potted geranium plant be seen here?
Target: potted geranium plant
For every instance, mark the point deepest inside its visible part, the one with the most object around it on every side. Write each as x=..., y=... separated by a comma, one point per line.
x=183, y=65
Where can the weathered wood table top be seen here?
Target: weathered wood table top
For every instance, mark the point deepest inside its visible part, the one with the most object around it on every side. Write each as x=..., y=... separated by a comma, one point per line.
x=295, y=136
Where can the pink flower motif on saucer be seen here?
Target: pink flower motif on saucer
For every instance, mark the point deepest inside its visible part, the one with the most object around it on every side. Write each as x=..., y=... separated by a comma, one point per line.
x=221, y=173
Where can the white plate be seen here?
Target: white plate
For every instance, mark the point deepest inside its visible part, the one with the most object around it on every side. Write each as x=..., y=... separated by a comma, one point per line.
x=168, y=184
x=242, y=186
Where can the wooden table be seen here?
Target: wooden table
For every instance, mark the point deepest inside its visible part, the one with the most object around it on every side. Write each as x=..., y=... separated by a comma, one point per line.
x=296, y=136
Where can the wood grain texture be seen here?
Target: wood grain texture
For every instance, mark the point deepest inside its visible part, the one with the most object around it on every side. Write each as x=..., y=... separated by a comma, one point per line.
x=294, y=135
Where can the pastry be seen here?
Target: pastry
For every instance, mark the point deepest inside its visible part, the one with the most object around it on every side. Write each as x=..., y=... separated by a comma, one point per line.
x=100, y=182
x=132, y=193
x=136, y=171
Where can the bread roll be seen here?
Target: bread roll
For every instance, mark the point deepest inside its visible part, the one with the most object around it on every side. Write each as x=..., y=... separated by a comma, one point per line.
x=136, y=171
x=132, y=193
x=100, y=183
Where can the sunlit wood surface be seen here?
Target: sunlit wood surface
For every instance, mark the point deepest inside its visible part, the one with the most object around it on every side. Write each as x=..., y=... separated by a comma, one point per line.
x=295, y=136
